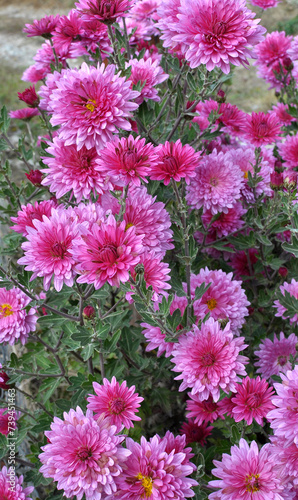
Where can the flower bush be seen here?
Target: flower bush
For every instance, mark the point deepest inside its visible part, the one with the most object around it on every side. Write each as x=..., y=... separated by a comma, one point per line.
x=148, y=281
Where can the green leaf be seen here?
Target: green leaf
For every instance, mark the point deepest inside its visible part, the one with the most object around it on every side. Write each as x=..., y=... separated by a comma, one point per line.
x=264, y=240
x=191, y=82
x=87, y=352
x=291, y=248
x=110, y=344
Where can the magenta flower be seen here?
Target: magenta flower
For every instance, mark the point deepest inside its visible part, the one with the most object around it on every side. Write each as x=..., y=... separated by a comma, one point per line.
x=126, y=160
x=208, y=360
x=16, y=320
x=217, y=183
x=17, y=492
x=168, y=24
x=29, y=213
x=149, y=73
x=265, y=4
x=240, y=263
x=156, y=273
x=202, y=411
x=91, y=104
x=30, y=97
x=252, y=400
x=262, y=128
x=218, y=34
x=35, y=73
x=118, y=403
x=270, y=55
x=227, y=222
x=281, y=110
x=292, y=289
x=288, y=150
x=195, y=433
x=174, y=162
x=157, y=340
x=107, y=252
x=47, y=251
x=274, y=357
x=84, y=455
x=154, y=471
x=247, y=474
x=24, y=114
x=8, y=419
x=42, y=27
x=105, y=11
x=94, y=36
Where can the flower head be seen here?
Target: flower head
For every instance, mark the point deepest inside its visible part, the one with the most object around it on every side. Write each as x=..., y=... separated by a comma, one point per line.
x=149, y=73
x=34, y=176
x=30, y=212
x=270, y=55
x=17, y=492
x=174, y=162
x=292, y=289
x=202, y=411
x=3, y=379
x=265, y=4
x=16, y=321
x=42, y=27
x=274, y=357
x=262, y=128
x=288, y=150
x=195, y=433
x=226, y=222
x=30, y=97
x=24, y=113
x=7, y=421
x=118, y=403
x=252, y=400
x=105, y=11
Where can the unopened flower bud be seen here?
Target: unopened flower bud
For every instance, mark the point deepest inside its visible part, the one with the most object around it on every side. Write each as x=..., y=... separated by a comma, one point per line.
x=89, y=312
x=288, y=63
x=139, y=269
x=35, y=176
x=30, y=97
x=283, y=272
x=276, y=180
x=221, y=96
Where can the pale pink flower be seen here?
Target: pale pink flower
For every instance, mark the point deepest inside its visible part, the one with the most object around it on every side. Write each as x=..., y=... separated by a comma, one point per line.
x=195, y=433
x=157, y=340
x=265, y=4
x=226, y=223
x=29, y=213
x=18, y=492
x=90, y=104
x=118, y=403
x=217, y=184
x=106, y=12
x=274, y=357
x=252, y=400
x=288, y=150
x=218, y=34
x=47, y=251
x=24, y=113
x=247, y=474
x=168, y=11
x=208, y=360
x=16, y=319
x=42, y=27
x=262, y=128
x=286, y=458
x=84, y=455
x=34, y=74
x=149, y=73
x=292, y=289
x=202, y=411
x=46, y=90
x=174, y=161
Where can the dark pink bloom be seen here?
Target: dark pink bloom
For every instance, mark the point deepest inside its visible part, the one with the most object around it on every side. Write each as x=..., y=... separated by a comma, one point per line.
x=30, y=97
x=174, y=162
x=288, y=150
x=281, y=110
x=34, y=176
x=29, y=213
x=195, y=433
x=262, y=128
x=3, y=379
x=155, y=273
x=274, y=357
x=283, y=272
x=24, y=114
x=240, y=263
x=17, y=492
x=68, y=31
x=202, y=411
x=89, y=312
x=118, y=403
x=149, y=73
x=292, y=289
x=43, y=27
x=34, y=74
x=227, y=222
x=270, y=55
x=105, y=11
x=17, y=320
x=252, y=400
x=7, y=421
x=265, y=4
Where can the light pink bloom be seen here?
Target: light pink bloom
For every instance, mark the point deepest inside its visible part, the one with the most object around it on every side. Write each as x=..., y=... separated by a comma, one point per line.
x=247, y=474
x=265, y=4
x=202, y=411
x=106, y=12
x=217, y=184
x=24, y=113
x=168, y=25
x=174, y=162
x=288, y=150
x=218, y=34
x=29, y=213
x=149, y=73
x=274, y=357
x=42, y=27
x=143, y=10
x=47, y=251
x=195, y=433
x=252, y=400
x=16, y=320
x=156, y=340
x=46, y=90
x=34, y=74
x=286, y=458
x=84, y=455
x=227, y=222
x=208, y=360
x=262, y=128
x=118, y=403
x=270, y=55
x=107, y=252
x=90, y=104
x=292, y=289
x=7, y=477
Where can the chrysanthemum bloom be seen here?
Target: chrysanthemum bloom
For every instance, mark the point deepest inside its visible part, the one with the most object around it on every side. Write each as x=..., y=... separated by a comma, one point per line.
x=34, y=176
x=168, y=23
x=144, y=9
x=288, y=150
x=151, y=472
x=42, y=27
x=15, y=321
x=29, y=213
x=156, y=273
x=149, y=73
x=240, y=264
x=30, y=97
x=46, y=90
x=284, y=418
x=218, y=34
x=271, y=53
x=265, y=4
x=47, y=251
x=105, y=11
x=34, y=74
x=94, y=36
x=195, y=433
x=292, y=289
x=281, y=110
x=17, y=492
x=174, y=162
x=68, y=31
x=73, y=171
x=8, y=421
x=150, y=218
x=226, y=406
x=262, y=128
x=274, y=357
x=208, y=360
x=252, y=401
x=91, y=104
x=3, y=379
x=127, y=160
x=231, y=118
x=24, y=114
x=286, y=458
x=247, y=474
x=202, y=411
x=84, y=455
x=217, y=184
x=224, y=299
x=227, y=222
x=156, y=340
x=118, y=403
x=107, y=253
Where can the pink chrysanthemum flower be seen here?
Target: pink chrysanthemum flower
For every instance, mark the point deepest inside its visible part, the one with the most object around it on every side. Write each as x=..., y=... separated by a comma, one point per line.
x=34, y=74
x=202, y=411
x=149, y=73
x=270, y=54
x=231, y=118
x=42, y=27
x=24, y=114
x=8, y=421
x=208, y=360
x=292, y=289
x=29, y=213
x=47, y=251
x=252, y=401
x=105, y=11
x=84, y=455
x=174, y=162
x=94, y=36
x=29, y=97
x=286, y=458
x=46, y=90
x=247, y=474
x=152, y=472
x=8, y=478
x=118, y=403
x=288, y=150
x=240, y=264
x=262, y=128
x=217, y=184
x=284, y=418
x=150, y=218
x=68, y=32
x=195, y=433
x=15, y=321
x=107, y=252
x=218, y=34
x=127, y=160
x=227, y=222
x=156, y=273
x=168, y=25
x=156, y=340
x=73, y=171
x=274, y=357
x=281, y=111
x=265, y=4
x=224, y=299
x=91, y=104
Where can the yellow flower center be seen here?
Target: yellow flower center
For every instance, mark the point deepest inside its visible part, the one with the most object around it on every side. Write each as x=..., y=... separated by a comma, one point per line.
x=146, y=483
x=6, y=310
x=251, y=482
x=211, y=303
x=245, y=175
x=91, y=105
x=128, y=225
